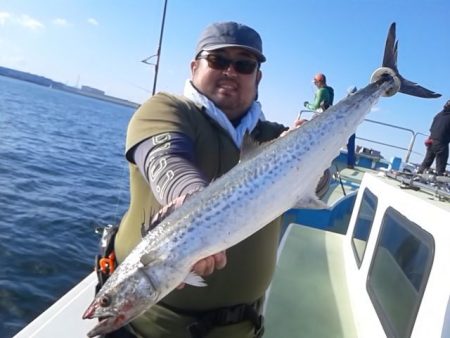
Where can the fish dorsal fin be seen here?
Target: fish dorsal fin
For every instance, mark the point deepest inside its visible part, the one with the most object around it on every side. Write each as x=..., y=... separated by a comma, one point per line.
x=250, y=148
x=195, y=280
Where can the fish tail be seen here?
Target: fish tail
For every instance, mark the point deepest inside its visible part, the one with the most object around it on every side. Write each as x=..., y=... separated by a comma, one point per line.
x=389, y=68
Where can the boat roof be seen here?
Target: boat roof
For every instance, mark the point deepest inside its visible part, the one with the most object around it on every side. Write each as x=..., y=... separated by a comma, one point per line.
x=352, y=178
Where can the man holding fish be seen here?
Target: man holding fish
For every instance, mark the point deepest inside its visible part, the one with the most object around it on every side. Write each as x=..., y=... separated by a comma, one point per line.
x=176, y=146
x=179, y=146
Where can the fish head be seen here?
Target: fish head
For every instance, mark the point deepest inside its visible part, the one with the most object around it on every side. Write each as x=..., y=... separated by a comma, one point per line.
x=121, y=299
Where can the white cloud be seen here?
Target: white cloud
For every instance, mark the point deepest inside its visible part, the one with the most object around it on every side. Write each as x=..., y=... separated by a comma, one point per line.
x=29, y=22
x=4, y=17
x=93, y=22
x=60, y=22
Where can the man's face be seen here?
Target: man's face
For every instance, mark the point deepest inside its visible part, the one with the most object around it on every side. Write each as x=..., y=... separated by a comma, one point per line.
x=231, y=91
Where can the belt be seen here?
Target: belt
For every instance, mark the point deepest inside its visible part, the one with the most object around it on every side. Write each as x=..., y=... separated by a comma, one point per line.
x=207, y=320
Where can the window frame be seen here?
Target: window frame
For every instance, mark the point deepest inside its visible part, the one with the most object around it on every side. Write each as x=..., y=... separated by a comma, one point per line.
x=368, y=195
x=426, y=239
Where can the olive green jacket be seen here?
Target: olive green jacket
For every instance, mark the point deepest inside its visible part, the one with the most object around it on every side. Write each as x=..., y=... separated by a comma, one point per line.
x=250, y=264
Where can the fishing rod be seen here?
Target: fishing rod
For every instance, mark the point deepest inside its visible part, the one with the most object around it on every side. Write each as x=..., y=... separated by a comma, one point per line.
x=158, y=51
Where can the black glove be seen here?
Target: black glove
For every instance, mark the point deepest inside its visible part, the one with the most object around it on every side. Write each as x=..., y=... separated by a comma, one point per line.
x=305, y=104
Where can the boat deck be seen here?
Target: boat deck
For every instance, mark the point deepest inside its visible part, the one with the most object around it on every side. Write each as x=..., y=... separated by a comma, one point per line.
x=312, y=260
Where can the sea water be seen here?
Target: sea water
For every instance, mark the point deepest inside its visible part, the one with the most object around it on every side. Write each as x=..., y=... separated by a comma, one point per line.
x=62, y=174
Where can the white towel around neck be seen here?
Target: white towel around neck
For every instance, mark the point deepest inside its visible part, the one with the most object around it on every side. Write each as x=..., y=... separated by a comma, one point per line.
x=247, y=123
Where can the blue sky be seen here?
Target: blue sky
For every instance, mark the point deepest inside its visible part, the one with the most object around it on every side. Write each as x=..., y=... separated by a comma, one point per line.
x=100, y=43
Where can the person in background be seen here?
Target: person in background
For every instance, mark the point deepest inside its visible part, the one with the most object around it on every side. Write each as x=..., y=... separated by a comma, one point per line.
x=351, y=141
x=177, y=145
x=324, y=96
x=437, y=142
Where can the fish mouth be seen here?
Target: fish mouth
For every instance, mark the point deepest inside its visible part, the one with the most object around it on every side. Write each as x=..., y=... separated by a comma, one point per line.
x=107, y=322
x=105, y=325
x=90, y=312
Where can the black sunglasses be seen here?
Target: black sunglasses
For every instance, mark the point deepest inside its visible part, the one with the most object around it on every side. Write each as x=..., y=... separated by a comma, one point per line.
x=219, y=62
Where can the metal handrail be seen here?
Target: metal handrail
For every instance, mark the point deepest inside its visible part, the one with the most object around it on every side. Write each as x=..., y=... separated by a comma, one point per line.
x=408, y=150
x=304, y=111
x=411, y=142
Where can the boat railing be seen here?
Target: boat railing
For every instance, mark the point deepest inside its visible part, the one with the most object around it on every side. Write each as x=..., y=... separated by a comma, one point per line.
x=411, y=142
x=408, y=150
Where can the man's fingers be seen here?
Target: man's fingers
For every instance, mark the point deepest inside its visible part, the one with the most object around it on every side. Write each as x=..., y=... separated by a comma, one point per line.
x=209, y=266
x=206, y=266
x=220, y=260
x=299, y=122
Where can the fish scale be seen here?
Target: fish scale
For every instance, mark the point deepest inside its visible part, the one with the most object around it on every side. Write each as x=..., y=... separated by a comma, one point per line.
x=283, y=174
x=288, y=169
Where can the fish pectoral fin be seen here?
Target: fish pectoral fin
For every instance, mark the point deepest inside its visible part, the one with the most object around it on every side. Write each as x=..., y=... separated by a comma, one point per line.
x=195, y=280
x=310, y=202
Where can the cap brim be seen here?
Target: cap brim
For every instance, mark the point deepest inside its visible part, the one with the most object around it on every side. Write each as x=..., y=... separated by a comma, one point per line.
x=259, y=56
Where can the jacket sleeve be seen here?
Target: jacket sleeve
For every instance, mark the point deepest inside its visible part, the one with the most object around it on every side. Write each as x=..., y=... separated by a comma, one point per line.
x=167, y=163
x=318, y=98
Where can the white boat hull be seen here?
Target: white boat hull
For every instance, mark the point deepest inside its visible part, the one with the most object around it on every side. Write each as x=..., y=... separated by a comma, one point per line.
x=63, y=318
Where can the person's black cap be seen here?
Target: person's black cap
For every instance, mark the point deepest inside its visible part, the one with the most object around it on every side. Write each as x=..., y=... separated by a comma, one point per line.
x=230, y=34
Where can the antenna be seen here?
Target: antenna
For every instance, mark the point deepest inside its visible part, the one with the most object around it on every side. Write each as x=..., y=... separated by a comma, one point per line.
x=158, y=52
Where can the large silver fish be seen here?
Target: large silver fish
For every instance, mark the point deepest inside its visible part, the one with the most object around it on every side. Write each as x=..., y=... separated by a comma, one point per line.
x=283, y=174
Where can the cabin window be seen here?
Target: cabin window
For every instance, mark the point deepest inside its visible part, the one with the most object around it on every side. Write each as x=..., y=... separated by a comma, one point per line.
x=399, y=272
x=363, y=225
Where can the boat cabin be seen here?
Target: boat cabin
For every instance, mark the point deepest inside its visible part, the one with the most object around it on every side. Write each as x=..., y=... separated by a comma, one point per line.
x=385, y=275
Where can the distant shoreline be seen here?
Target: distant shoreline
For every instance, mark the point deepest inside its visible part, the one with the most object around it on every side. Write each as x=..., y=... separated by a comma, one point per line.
x=83, y=91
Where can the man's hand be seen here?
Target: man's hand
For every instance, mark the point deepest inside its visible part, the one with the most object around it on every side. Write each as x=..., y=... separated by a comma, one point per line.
x=297, y=123
x=206, y=266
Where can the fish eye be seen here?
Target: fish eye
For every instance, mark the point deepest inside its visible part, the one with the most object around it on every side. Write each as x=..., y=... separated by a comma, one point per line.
x=105, y=301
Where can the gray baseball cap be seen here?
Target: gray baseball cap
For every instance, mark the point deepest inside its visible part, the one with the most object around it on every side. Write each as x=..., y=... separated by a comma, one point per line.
x=230, y=34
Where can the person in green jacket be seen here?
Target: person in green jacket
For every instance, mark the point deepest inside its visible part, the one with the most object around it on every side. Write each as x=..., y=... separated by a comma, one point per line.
x=175, y=146
x=324, y=96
